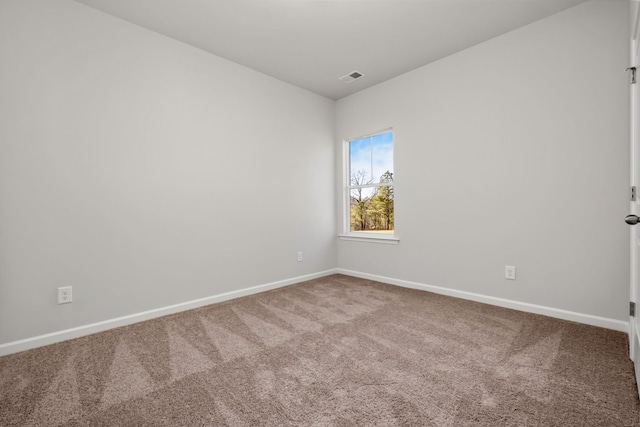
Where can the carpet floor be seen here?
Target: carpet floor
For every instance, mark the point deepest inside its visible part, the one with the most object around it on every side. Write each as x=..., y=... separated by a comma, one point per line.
x=336, y=351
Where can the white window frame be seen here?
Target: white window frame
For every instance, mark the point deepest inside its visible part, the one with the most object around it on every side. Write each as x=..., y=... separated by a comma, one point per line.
x=362, y=236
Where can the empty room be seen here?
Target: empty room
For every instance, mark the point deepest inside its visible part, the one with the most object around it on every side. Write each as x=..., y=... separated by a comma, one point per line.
x=319, y=213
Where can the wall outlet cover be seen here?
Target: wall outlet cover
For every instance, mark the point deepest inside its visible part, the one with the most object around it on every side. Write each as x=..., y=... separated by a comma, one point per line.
x=510, y=272
x=65, y=295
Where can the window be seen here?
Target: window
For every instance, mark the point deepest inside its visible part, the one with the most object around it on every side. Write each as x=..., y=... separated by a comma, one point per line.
x=369, y=210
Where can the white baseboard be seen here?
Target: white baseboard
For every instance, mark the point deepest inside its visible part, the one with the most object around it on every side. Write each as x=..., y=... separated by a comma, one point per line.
x=80, y=331
x=603, y=322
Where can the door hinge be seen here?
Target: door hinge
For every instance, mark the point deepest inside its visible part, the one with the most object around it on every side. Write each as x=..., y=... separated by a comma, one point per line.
x=632, y=309
x=633, y=74
x=634, y=193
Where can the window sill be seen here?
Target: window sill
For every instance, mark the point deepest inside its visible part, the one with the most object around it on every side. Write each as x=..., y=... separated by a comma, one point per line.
x=370, y=238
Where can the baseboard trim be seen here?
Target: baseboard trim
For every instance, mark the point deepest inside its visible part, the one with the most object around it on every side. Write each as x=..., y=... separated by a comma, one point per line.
x=603, y=322
x=80, y=331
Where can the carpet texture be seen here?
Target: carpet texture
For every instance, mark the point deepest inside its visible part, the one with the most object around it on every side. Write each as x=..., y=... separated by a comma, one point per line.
x=336, y=351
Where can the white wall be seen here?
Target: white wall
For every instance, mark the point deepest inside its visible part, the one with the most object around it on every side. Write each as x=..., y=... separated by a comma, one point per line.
x=513, y=152
x=145, y=173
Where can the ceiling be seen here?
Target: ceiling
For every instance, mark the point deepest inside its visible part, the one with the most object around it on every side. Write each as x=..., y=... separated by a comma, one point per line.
x=311, y=43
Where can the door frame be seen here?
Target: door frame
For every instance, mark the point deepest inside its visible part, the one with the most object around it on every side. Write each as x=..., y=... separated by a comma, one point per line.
x=634, y=178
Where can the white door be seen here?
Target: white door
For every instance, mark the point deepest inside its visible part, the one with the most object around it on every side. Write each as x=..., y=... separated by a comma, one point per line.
x=634, y=205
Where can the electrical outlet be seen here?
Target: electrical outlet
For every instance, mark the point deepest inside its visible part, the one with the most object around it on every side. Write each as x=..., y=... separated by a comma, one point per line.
x=300, y=257
x=510, y=272
x=64, y=295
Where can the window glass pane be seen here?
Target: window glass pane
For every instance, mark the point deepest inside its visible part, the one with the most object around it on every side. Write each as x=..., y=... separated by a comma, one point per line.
x=371, y=210
x=360, y=161
x=382, y=157
x=370, y=159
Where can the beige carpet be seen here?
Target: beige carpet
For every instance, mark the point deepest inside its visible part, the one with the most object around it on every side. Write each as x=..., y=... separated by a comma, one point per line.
x=336, y=351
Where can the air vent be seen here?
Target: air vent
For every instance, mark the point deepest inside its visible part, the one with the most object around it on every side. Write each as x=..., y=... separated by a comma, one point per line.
x=354, y=75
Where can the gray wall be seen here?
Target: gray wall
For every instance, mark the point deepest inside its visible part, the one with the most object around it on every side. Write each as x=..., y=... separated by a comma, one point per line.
x=513, y=152
x=145, y=173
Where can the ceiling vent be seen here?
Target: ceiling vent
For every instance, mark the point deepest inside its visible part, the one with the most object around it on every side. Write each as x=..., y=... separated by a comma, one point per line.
x=354, y=75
